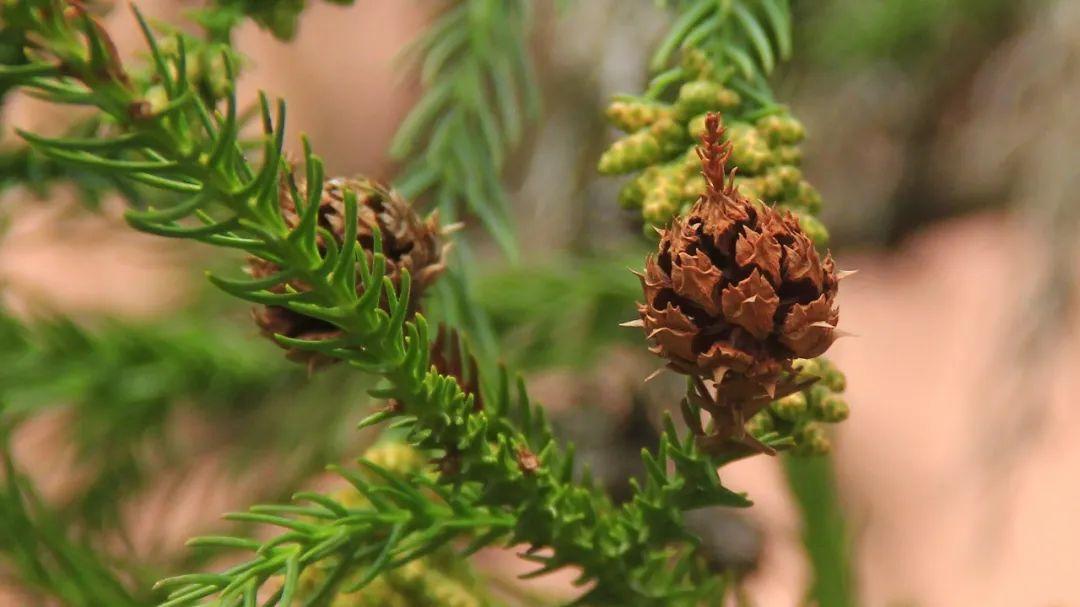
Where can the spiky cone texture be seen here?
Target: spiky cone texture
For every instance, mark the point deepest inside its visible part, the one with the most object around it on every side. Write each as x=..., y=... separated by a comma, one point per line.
x=736, y=290
x=408, y=243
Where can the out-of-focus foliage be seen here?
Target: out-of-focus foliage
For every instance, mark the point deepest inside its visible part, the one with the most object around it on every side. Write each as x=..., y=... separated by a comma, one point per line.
x=280, y=17
x=119, y=388
x=825, y=532
x=40, y=553
x=563, y=312
x=478, y=97
x=479, y=94
x=121, y=385
x=497, y=455
x=851, y=33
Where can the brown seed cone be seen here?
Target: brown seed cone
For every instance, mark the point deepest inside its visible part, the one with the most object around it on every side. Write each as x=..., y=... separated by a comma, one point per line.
x=408, y=242
x=736, y=290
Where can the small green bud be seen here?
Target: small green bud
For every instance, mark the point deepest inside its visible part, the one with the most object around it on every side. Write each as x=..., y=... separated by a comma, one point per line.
x=750, y=187
x=663, y=187
x=728, y=99
x=761, y=424
x=701, y=96
x=792, y=132
x=697, y=64
x=772, y=187
x=808, y=368
x=816, y=393
x=806, y=196
x=632, y=115
x=811, y=439
x=632, y=193
x=696, y=126
x=779, y=181
x=749, y=150
x=157, y=98
x=790, y=408
x=789, y=176
x=691, y=162
x=661, y=204
x=813, y=228
x=633, y=152
x=670, y=134
x=832, y=409
x=781, y=129
x=835, y=379
x=788, y=154
x=744, y=131
x=696, y=95
x=694, y=187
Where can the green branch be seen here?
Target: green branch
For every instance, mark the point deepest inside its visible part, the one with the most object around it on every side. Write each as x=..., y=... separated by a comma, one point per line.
x=500, y=460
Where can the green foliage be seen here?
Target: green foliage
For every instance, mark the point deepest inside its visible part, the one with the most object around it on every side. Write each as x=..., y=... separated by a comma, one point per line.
x=121, y=384
x=825, y=534
x=909, y=33
x=20, y=166
x=723, y=52
x=504, y=478
x=744, y=37
x=280, y=17
x=479, y=92
x=400, y=523
x=38, y=547
x=559, y=313
x=439, y=579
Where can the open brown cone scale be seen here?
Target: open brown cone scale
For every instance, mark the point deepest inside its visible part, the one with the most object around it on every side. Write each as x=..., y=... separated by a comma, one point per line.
x=735, y=292
x=408, y=243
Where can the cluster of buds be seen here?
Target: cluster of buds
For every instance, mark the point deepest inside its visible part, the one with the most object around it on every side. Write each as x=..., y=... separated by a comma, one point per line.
x=437, y=580
x=802, y=416
x=660, y=148
x=734, y=295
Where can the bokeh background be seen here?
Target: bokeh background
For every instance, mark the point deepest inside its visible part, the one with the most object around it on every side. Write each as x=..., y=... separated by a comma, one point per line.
x=945, y=138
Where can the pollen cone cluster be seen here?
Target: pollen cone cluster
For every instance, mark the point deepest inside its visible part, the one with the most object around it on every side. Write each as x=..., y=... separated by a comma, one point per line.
x=658, y=148
x=736, y=290
x=408, y=242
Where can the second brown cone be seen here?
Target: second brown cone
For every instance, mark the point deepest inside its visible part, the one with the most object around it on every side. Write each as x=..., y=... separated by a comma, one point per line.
x=409, y=242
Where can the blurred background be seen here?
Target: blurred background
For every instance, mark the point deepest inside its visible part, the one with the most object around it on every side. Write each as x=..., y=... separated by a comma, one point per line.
x=944, y=136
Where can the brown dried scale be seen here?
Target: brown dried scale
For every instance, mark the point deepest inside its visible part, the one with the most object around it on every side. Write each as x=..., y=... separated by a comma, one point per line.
x=736, y=290
x=408, y=243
